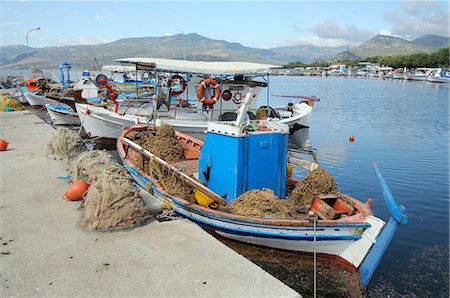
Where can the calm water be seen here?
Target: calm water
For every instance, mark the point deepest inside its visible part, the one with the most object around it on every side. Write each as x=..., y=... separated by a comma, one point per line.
x=403, y=127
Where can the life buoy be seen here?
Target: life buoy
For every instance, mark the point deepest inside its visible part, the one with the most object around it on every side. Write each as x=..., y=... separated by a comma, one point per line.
x=227, y=95
x=237, y=98
x=202, y=87
x=182, y=81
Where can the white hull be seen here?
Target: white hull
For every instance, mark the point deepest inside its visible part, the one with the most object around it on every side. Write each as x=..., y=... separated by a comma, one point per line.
x=38, y=100
x=102, y=123
x=301, y=114
x=63, y=118
x=436, y=79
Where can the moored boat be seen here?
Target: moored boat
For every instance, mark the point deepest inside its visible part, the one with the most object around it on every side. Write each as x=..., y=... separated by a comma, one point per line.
x=245, y=155
x=62, y=115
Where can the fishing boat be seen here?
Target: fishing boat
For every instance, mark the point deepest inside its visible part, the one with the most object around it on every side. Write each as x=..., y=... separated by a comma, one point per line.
x=100, y=122
x=128, y=79
x=192, y=93
x=421, y=74
x=439, y=75
x=62, y=115
x=246, y=155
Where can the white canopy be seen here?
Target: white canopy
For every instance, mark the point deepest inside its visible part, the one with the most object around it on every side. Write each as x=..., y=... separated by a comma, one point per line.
x=118, y=68
x=203, y=67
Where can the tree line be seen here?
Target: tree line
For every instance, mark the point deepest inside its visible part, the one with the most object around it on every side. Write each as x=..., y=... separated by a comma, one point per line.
x=439, y=58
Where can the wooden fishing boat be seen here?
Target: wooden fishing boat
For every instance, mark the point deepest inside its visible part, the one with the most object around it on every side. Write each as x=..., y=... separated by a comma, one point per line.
x=62, y=115
x=240, y=156
x=35, y=99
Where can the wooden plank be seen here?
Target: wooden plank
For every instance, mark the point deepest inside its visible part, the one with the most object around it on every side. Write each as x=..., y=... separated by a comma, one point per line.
x=189, y=180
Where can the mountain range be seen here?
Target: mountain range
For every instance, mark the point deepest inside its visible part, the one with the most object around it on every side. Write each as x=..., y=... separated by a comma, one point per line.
x=197, y=47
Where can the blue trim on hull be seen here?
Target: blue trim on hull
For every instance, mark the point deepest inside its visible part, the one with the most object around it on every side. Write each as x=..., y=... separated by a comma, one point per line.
x=371, y=261
x=142, y=182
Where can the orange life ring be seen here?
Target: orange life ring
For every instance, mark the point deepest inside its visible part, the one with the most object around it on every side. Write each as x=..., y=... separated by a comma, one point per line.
x=202, y=87
x=183, y=84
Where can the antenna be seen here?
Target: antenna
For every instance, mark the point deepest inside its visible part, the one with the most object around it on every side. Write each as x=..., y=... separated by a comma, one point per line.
x=184, y=53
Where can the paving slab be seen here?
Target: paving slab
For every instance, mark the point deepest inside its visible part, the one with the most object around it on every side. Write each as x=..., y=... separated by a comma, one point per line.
x=44, y=250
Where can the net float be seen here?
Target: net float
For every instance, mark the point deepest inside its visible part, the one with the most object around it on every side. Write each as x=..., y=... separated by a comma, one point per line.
x=76, y=191
x=3, y=145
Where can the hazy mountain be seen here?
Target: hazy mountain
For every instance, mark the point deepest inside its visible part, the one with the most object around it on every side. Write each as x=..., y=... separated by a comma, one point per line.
x=305, y=53
x=382, y=45
x=433, y=41
x=197, y=47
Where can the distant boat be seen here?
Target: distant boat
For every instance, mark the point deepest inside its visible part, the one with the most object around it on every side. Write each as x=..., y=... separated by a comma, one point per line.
x=439, y=76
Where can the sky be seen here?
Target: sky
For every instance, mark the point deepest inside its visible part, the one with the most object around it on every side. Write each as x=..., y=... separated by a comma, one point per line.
x=260, y=24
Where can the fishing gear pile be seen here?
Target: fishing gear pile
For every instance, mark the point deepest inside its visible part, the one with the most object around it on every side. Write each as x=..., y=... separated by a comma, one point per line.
x=163, y=144
x=112, y=202
x=65, y=143
x=9, y=104
x=316, y=182
x=68, y=92
x=170, y=183
x=259, y=203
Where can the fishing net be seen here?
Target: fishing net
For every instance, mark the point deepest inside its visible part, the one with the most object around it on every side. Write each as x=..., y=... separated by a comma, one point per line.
x=8, y=103
x=113, y=204
x=54, y=92
x=68, y=92
x=112, y=201
x=316, y=182
x=163, y=144
x=170, y=183
x=88, y=165
x=259, y=203
x=65, y=143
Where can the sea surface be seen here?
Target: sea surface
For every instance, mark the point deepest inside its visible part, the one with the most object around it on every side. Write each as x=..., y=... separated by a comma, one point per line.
x=403, y=127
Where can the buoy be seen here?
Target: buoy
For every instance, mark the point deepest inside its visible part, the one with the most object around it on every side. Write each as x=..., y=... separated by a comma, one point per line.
x=3, y=145
x=76, y=190
x=352, y=138
x=289, y=170
x=204, y=200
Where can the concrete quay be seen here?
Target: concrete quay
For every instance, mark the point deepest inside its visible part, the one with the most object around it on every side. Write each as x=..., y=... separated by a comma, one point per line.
x=44, y=251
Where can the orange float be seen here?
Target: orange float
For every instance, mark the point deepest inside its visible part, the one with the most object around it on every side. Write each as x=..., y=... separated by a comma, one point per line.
x=32, y=85
x=352, y=138
x=201, y=89
x=76, y=191
x=3, y=145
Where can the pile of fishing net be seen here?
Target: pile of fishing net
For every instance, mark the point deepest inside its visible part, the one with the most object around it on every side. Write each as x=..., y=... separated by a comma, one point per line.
x=316, y=182
x=112, y=202
x=170, y=183
x=10, y=104
x=68, y=92
x=163, y=144
x=65, y=143
x=258, y=203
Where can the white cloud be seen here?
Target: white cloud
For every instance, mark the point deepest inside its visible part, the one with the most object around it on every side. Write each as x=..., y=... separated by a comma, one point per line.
x=101, y=17
x=385, y=32
x=416, y=18
x=10, y=23
x=314, y=41
x=332, y=29
x=86, y=40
